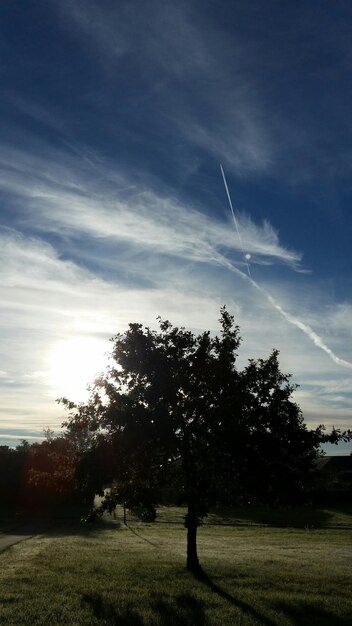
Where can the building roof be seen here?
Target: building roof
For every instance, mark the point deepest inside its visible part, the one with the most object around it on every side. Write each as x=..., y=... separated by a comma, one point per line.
x=335, y=463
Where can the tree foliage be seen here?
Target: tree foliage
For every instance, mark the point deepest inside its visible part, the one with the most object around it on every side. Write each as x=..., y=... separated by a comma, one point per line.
x=49, y=472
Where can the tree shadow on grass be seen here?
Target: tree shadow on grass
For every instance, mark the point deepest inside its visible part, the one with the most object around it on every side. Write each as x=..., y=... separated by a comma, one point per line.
x=188, y=610
x=58, y=527
x=278, y=517
x=203, y=577
x=106, y=612
x=305, y=614
x=182, y=610
x=155, y=545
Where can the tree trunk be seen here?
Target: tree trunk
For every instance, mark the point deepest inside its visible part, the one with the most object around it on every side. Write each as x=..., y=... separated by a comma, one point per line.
x=192, y=524
x=192, y=556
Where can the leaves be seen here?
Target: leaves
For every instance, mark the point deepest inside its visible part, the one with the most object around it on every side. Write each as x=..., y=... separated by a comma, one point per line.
x=174, y=411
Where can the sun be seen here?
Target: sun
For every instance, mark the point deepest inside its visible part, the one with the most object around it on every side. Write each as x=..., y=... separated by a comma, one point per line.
x=73, y=363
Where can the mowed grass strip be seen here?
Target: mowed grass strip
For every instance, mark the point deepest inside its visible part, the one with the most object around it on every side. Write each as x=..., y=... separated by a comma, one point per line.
x=136, y=575
x=296, y=517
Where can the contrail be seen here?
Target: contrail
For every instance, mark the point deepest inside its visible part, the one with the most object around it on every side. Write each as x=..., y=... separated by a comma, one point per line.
x=294, y=321
x=234, y=216
x=303, y=327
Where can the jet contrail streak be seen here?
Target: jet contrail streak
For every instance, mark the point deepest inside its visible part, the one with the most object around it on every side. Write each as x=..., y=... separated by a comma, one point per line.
x=294, y=321
x=304, y=328
x=233, y=215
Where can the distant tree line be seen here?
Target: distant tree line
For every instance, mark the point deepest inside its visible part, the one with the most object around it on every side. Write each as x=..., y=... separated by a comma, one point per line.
x=39, y=477
x=56, y=472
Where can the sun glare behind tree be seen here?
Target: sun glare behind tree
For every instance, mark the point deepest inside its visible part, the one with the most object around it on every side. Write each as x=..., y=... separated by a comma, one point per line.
x=72, y=362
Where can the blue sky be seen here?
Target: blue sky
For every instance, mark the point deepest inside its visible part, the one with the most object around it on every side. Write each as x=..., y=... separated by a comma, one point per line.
x=115, y=118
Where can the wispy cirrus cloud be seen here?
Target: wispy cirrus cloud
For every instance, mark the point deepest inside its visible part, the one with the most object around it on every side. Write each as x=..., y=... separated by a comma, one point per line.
x=46, y=299
x=67, y=197
x=222, y=113
x=71, y=200
x=47, y=302
x=227, y=91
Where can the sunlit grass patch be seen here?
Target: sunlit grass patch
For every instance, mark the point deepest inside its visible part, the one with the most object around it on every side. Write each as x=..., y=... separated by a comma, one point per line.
x=136, y=575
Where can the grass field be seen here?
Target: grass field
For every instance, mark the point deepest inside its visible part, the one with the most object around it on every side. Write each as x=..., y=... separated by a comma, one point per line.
x=136, y=575
x=292, y=517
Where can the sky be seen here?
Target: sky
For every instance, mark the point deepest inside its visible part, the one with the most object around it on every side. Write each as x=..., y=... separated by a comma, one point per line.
x=115, y=118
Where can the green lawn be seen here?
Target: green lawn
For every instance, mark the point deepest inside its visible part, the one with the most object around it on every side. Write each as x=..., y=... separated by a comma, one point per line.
x=136, y=575
x=292, y=517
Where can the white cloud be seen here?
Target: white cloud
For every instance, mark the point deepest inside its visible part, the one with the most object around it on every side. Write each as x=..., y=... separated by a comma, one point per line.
x=99, y=25
x=222, y=113
x=46, y=300
x=341, y=319
x=332, y=385
x=64, y=197
x=222, y=88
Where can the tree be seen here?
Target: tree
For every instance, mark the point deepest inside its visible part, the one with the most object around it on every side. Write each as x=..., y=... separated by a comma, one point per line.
x=281, y=451
x=175, y=409
x=49, y=472
x=10, y=476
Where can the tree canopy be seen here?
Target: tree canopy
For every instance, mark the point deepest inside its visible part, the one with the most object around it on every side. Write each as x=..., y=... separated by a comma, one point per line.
x=174, y=411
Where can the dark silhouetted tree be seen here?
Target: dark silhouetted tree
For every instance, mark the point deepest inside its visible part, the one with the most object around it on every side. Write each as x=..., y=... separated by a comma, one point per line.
x=175, y=410
x=49, y=473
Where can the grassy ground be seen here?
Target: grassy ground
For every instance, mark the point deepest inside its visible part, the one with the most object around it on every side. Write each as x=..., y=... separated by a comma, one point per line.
x=293, y=517
x=136, y=575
